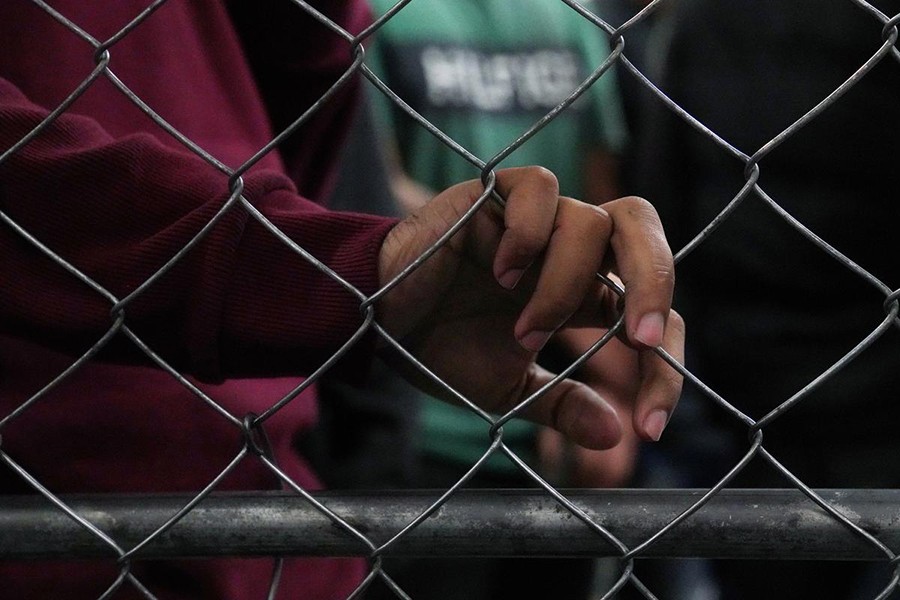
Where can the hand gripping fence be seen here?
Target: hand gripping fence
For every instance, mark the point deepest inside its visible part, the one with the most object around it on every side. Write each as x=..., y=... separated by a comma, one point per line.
x=797, y=523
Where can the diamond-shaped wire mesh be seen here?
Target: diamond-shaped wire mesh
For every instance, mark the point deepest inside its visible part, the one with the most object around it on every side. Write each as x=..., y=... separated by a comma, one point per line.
x=30, y=423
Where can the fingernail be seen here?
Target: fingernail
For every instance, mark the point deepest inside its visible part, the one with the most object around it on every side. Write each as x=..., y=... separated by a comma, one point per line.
x=655, y=423
x=535, y=340
x=511, y=278
x=650, y=329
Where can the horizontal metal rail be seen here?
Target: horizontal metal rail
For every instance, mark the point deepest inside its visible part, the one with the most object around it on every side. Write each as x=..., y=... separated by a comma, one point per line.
x=747, y=524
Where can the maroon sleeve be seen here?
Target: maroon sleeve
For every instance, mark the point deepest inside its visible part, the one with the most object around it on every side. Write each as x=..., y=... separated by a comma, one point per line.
x=119, y=209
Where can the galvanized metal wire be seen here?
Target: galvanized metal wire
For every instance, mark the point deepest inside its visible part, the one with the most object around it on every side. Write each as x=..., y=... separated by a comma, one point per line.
x=252, y=426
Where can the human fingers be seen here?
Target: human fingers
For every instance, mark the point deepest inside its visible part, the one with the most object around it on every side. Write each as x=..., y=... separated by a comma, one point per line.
x=574, y=254
x=404, y=306
x=510, y=239
x=660, y=384
x=644, y=263
x=573, y=409
x=532, y=195
x=564, y=463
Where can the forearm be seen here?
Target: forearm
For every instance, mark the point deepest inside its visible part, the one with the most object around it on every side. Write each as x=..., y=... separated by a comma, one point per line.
x=119, y=209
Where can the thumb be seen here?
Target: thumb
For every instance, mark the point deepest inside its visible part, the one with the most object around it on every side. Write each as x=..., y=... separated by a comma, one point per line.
x=573, y=409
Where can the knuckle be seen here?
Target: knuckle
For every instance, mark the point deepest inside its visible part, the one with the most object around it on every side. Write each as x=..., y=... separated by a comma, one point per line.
x=676, y=321
x=653, y=277
x=544, y=177
x=637, y=205
x=662, y=274
x=635, y=208
x=584, y=214
x=599, y=217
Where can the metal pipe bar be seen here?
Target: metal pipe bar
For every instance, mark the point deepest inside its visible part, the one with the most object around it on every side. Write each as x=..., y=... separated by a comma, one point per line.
x=747, y=524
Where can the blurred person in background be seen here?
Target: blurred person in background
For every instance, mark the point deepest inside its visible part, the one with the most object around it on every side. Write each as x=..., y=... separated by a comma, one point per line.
x=769, y=310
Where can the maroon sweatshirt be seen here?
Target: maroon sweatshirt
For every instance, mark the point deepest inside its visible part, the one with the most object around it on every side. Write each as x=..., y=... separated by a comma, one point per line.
x=240, y=314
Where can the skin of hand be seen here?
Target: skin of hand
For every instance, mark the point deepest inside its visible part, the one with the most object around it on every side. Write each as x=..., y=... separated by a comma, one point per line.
x=481, y=307
x=565, y=464
x=610, y=373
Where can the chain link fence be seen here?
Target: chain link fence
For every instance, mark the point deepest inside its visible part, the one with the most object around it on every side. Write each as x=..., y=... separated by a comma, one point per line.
x=799, y=523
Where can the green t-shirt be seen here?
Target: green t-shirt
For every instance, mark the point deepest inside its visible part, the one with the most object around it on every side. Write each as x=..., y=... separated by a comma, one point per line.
x=483, y=71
